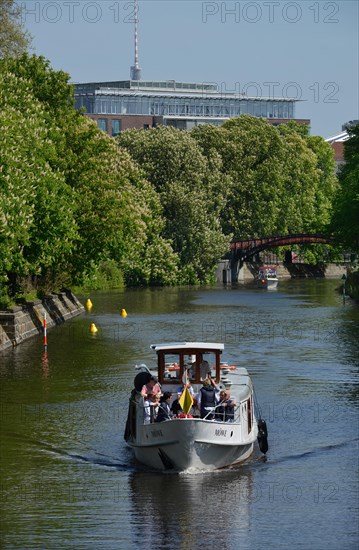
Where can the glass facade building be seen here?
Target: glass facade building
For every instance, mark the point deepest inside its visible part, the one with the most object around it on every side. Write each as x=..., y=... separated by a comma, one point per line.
x=179, y=104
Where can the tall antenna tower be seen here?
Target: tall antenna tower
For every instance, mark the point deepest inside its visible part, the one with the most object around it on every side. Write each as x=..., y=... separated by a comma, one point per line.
x=136, y=69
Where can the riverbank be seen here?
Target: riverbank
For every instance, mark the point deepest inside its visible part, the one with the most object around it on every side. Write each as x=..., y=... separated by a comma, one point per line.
x=24, y=321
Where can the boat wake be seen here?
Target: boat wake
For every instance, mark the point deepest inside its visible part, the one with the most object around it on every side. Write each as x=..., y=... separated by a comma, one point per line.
x=93, y=457
x=313, y=452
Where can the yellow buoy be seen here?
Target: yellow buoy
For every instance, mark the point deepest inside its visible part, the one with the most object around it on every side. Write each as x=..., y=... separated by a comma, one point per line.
x=123, y=313
x=88, y=304
x=93, y=328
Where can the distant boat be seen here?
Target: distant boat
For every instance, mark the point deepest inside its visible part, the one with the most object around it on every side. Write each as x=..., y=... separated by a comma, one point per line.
x=200, y=440
x=267, y=277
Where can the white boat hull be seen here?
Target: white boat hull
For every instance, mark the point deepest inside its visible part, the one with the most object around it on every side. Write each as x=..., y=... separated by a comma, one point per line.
x=270, y=284
x=191, y=443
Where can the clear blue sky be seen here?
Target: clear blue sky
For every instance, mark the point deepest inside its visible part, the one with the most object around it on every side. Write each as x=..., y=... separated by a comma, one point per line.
x=306, y=49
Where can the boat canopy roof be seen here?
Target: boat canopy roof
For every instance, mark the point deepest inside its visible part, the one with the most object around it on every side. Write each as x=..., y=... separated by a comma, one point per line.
x=177, y=358
x=203, y=346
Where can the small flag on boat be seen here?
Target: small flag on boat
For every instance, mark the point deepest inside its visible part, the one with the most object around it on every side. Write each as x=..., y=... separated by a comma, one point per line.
x=186, y=400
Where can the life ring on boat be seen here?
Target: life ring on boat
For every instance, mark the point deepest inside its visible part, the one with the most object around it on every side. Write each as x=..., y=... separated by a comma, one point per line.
x=262, y=436
x=230, y=367
x=173, y=367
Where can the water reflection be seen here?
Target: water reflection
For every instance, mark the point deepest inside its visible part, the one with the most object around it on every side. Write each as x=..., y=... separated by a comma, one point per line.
x=183, y=510
x=66, y=470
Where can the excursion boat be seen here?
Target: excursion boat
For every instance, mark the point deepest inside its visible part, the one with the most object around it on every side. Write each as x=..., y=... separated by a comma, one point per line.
x=267, y=277
x=187, y=441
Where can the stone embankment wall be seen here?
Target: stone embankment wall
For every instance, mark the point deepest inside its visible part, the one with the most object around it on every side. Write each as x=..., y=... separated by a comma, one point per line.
x=21, y=322
x=284, y=271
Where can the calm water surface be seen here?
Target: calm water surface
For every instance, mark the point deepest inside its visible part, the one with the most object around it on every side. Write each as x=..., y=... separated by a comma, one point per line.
x=69, y=481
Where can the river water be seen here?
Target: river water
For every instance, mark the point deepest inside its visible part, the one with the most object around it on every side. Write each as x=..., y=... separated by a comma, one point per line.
x=69, y=481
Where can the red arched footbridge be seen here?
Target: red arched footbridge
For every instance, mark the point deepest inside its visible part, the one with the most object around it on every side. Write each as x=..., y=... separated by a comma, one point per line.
x=243, y=250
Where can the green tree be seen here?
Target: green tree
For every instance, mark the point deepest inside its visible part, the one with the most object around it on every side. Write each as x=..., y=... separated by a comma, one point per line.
x=190, y=188
x=279, y=179
x=119, y=215
x=251, y=152
x=36, y=205
x=14, y=38
x=325, y=181
x=72, y=201
x=345, y=221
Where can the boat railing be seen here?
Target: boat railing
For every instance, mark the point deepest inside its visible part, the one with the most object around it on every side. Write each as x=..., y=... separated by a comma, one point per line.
x=223, y=416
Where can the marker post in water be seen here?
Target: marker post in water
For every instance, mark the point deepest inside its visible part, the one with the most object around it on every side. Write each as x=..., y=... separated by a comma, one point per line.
x=45, y=334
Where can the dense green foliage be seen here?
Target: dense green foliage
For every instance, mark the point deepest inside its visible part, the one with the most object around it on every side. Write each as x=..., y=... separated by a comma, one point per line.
x=279, y=180
x=345, y=223
x=154, y=207
x=192, y=195
x=70, y=198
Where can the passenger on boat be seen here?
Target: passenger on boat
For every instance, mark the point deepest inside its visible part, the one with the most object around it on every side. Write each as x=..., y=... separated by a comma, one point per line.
x=164, y=410
x=207, y=398
x=151, y=388
x=147, y=409
x=225, y=409
x=151, y=405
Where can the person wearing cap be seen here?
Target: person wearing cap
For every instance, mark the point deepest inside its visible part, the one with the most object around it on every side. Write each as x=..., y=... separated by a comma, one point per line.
x=151, y=388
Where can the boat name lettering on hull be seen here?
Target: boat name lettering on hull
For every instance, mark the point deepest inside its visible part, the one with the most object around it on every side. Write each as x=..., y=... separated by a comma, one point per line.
x=157, y=433
x=221, y=432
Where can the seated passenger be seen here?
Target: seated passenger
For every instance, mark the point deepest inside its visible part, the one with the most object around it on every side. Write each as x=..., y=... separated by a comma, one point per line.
x=164, y=411
x=225, y=410
x=151, y=406
x=151, y=388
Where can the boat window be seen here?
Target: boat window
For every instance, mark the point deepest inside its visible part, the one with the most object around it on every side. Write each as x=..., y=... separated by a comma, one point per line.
x=201, y=365
x=170, y=368
x=197, y=365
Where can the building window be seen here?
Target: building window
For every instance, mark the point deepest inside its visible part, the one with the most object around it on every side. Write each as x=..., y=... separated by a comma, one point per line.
x=102, y=123
x=116, y=126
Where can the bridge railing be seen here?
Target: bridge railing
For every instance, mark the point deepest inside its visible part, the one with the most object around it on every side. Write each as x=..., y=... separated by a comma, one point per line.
x=279, y=240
